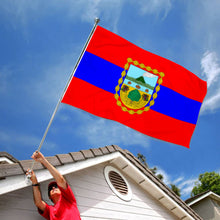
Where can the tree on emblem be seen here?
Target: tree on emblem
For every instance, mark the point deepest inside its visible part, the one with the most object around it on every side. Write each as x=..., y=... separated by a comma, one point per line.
x=134, y=95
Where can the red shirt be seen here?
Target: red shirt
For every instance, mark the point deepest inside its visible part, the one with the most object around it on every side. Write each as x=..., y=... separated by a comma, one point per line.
x=64, y=209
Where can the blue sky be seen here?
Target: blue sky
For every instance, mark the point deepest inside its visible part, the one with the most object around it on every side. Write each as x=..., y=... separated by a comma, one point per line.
x=40, y=43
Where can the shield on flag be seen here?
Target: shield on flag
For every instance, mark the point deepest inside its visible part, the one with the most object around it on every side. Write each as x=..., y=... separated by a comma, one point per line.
x=137, y=87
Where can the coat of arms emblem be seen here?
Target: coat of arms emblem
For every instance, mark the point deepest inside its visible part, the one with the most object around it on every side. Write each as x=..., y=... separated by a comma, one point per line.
x=138, y=86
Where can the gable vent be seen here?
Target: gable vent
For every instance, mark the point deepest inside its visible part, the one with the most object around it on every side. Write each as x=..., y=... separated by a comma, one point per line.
x=117, y=183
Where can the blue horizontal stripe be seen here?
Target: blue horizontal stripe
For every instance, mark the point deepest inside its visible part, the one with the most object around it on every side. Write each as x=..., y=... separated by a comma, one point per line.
x=105, y=75
x=176, y=105
x=98, y=72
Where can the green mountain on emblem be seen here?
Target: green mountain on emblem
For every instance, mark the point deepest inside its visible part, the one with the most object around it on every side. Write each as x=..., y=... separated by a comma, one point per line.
x=141, y=79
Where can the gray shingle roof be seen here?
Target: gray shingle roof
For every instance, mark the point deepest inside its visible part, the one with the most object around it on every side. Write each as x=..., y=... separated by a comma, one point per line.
x=9, y=156
x=19, y=167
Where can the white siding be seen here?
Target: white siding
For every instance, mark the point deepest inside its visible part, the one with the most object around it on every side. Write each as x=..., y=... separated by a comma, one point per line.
x=206, y=209
x=97, y=201
x=94, y=197
x=18, y=205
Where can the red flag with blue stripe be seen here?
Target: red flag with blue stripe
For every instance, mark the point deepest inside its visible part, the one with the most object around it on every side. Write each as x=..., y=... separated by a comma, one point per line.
x=120, y=81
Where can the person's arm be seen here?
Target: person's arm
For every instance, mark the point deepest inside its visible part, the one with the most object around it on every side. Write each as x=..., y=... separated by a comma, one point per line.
x=36, y=191
x=39, y=157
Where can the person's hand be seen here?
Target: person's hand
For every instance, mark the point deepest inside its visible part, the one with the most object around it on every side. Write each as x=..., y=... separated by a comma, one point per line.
x=38, y=156
x=32, y=176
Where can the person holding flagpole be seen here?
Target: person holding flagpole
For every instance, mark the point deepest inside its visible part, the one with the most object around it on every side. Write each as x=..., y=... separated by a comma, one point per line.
x=59, y=192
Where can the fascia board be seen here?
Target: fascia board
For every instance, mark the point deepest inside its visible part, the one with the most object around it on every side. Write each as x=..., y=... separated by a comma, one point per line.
x=211, y=194
x=13, y=183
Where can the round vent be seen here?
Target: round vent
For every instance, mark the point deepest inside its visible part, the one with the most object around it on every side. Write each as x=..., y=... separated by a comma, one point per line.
x=117, y=183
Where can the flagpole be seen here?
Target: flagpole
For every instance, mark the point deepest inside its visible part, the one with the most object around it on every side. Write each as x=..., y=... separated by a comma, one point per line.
x=68, y=82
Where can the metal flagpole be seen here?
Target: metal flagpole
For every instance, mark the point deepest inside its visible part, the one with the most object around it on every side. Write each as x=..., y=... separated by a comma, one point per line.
x=70, y=78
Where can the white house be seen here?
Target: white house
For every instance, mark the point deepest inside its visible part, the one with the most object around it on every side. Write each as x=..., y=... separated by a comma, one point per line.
x=206, y=204
x=108, y=182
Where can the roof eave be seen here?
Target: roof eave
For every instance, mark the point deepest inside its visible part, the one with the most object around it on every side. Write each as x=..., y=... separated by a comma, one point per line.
x=208, y=194
x=15, y=182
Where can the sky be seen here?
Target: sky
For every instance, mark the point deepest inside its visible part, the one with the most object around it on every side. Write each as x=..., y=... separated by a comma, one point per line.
x=40, y=42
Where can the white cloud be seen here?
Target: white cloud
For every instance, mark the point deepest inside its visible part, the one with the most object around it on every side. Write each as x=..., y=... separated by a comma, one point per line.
x=178, y=180
x=155, y=7
x=203, y=35
x=166, y=176
x=149, y=75
x=203, y=30
x=210, y=67
x=101, y=132
x=17, y=10
x=23, y=12
x=47, y=87
x=211, y=70
x=186, y=186
x=211, y=103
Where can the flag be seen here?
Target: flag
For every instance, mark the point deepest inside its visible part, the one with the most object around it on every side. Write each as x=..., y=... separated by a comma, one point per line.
x=118, y=80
